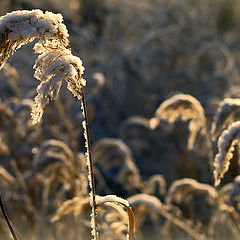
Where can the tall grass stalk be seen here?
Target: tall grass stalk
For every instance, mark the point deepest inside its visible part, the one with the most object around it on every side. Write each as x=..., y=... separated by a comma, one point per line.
x=90, y=165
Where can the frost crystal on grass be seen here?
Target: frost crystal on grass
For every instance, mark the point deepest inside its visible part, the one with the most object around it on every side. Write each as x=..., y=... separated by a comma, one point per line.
x=145, y=199
x=52, y=68
x=20, y=27
x=226, y=143
x=111, y=198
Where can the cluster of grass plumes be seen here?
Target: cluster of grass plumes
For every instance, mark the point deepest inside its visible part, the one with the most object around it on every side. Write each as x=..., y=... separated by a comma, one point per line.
x=131, y=70
x=55, y=186
x=191, y=110
x=185, y=107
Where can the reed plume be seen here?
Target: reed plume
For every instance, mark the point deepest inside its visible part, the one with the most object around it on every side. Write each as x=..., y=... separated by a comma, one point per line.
x=55, y=62
x=153, y=204
x=228, y=111
x=226, y=145
x=184, y=107
x=187, y=188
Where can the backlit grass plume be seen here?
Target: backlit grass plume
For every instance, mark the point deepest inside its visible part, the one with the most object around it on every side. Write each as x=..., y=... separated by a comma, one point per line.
x=228, y=112
x=187, y=188
x=185, y=107
x=55, y=62
x=226, y=145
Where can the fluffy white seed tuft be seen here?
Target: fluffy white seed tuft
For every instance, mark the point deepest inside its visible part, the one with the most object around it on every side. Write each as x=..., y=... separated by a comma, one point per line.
x=55, y=62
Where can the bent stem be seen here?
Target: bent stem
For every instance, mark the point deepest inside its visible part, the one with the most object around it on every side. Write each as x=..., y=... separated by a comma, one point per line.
x=14, y=235
x=90, y=167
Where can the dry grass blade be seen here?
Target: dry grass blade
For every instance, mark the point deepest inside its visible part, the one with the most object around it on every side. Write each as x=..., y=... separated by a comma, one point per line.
x=226, y=142
x=89, y=163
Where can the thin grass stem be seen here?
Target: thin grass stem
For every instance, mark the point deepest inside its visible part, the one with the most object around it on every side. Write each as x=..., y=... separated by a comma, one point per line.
x=14, y=235
x=90, y=166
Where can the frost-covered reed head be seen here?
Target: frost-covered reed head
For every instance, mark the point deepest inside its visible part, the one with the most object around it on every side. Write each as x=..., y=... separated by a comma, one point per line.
x=52, y=67
x=20, y=27
x=55, y=62
x=184, y=107
x=226, y=145
x=187, y=188
x=228, y=112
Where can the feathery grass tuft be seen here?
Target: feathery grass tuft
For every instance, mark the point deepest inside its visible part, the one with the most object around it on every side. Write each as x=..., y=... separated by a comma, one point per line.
x=226, y=145
x=55, y=62
x=185, y=107
x=228, y=112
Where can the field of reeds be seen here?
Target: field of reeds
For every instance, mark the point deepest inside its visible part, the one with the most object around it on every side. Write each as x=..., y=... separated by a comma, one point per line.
x=162, y=97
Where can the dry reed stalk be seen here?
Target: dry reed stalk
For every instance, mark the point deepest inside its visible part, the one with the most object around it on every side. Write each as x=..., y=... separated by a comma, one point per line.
x=89, y=162
x=76, y=206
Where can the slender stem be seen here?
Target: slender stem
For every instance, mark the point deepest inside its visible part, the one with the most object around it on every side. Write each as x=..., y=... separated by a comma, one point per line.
x=7, y=220
x=90, y=166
